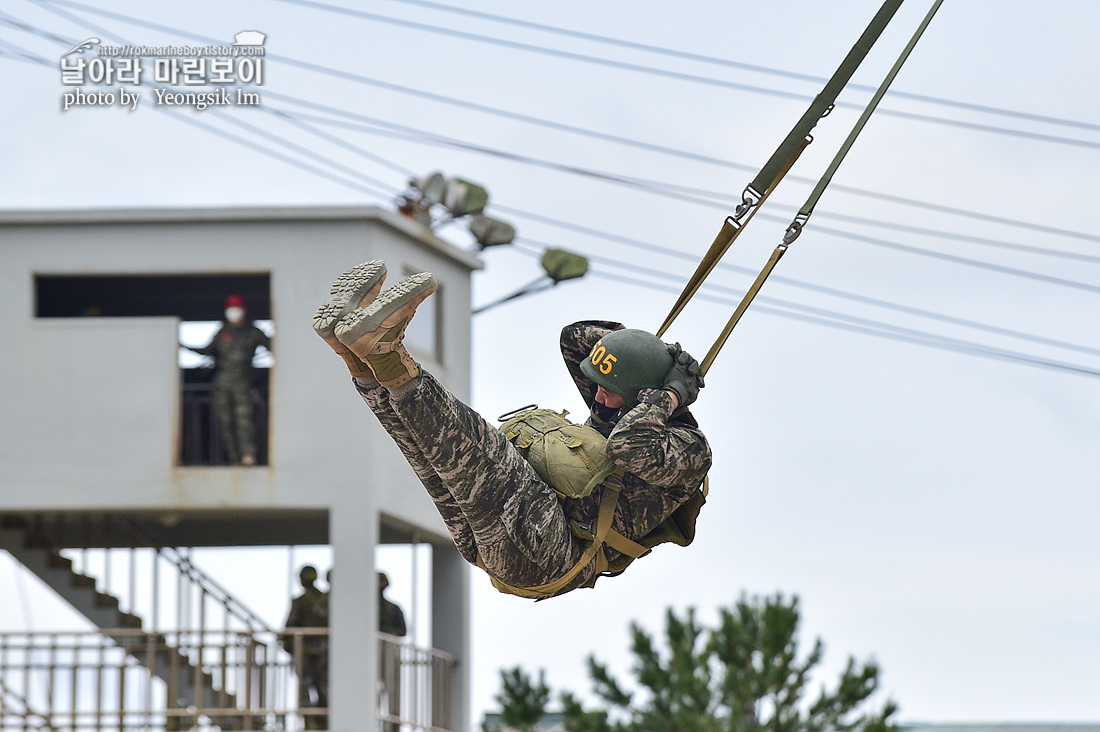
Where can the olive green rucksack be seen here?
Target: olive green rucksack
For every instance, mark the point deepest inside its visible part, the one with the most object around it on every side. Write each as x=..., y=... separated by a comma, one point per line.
x=569, y=457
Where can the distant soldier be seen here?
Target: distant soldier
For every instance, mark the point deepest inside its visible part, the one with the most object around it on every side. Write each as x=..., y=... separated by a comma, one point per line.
x=233, y=348
x=391, y=619
x=310, y=610
x=503, y=515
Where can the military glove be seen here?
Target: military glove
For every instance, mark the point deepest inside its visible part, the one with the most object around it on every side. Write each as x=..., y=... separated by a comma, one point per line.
x=685, y=377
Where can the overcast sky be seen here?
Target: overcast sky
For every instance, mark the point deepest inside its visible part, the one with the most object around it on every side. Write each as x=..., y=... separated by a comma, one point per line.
x=906, y=425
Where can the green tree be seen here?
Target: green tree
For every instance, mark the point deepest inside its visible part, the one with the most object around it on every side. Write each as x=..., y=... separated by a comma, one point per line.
x=744, y=675
x=522, y=701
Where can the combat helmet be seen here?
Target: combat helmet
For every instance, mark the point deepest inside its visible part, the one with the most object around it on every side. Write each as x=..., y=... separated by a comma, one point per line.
x=627, y=361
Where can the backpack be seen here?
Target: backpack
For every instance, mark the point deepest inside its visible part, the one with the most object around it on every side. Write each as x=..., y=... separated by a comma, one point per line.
x=569, y=457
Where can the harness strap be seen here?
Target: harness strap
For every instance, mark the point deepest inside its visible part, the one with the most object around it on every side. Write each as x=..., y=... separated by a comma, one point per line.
x=731, y=229
x=704, y=365
x=803, y=215
x=795, y=228
x=623, y=545
x=807, y=208
x=608, y=501
x=784, y=156
x=823, y=102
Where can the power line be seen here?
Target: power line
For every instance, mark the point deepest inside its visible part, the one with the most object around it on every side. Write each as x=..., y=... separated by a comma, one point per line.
x=686, y=193
x=829, y=319
x=22, y=54
x=367, y=189
x=549, y=124
x=953, y=258
x=870, y=240
x=675, y=53
x=675, y=75
x=931, y=341
x=378, y=159
x=780, y=279
x=867, y=325
x=666, y=275
x=260, y=132
x=654, y=187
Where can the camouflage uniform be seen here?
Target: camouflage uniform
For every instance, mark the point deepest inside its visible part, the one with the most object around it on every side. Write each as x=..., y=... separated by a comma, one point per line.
x=496, y=506
x=233, y=348
x=310, y=610
x=391, y=620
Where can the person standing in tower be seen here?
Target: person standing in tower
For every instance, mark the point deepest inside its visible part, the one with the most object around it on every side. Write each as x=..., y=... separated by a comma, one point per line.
x=233, y=348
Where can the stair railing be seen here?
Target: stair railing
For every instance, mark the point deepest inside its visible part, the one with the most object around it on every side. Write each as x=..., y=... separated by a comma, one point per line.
x=194, y=593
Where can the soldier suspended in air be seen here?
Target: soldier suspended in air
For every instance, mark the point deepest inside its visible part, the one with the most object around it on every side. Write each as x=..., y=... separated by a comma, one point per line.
x=509, y=510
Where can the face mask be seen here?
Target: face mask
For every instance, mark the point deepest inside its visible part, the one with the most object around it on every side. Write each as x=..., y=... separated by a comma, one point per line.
x=234, y=315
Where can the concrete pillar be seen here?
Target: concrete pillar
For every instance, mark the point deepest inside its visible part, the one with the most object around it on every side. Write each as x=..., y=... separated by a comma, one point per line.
x=451, y=623
x=353, y=654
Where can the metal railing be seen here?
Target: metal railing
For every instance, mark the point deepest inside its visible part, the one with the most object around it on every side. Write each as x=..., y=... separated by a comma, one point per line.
x=202, y=441
x=415, y=686
x=152, y=580
x=94, y=681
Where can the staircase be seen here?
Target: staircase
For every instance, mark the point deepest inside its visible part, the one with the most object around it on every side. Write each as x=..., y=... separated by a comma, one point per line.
x=180, y=656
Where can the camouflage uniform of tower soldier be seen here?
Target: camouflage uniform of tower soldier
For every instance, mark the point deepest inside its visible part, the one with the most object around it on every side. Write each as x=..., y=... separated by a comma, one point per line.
x=309, y=610
x=233, y=347
x=391, y=620
x=502, y=515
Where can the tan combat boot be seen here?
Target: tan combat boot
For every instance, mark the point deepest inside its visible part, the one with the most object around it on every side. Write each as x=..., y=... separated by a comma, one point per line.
x=374, y=333
x=356, y=288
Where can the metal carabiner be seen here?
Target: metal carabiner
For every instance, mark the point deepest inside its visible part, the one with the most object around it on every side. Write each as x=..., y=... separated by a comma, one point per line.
x=749, y=199
x=794, y=229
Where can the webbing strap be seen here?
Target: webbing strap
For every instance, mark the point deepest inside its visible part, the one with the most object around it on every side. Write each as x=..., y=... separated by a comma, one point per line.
x=808, y=207
x=821, y=104
x=803, y=215
x=704, y=366
x=608, y=502
x=731, y=227
x=621, y=544
x=784, y=157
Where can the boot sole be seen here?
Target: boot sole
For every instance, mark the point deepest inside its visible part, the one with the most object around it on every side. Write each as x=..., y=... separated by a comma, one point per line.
x=346, y=294
x=406, y=294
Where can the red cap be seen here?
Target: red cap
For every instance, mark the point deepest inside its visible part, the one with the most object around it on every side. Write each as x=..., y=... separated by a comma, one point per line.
x=234, y=301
